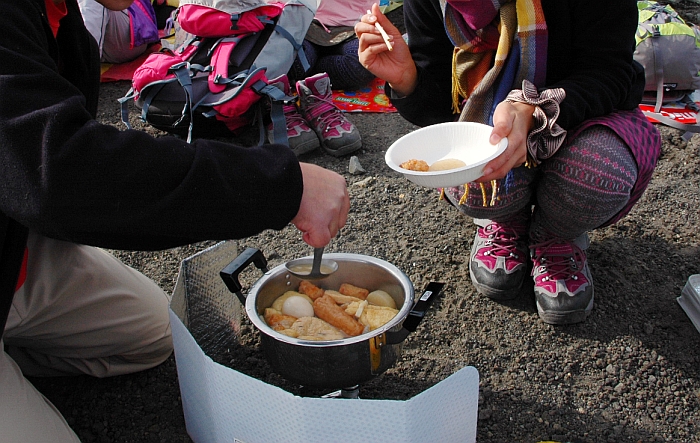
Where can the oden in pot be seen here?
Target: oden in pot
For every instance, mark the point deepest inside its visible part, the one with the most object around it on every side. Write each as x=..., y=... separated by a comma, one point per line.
x=333, y=364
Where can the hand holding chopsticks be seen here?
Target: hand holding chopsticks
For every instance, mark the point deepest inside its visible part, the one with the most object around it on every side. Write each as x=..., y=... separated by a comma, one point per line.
x=383, y=52
x=381, y=30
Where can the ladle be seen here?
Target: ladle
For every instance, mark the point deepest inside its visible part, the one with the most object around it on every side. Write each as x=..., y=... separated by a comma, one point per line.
x=312, y=270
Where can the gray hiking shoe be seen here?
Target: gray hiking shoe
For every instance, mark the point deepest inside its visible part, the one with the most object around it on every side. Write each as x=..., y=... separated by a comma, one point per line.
x=300, y=136
x=337, y=134
x=498, y=263
x=563, y=283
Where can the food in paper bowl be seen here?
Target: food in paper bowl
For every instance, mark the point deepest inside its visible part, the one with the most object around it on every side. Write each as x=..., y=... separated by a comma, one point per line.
x=443, y=148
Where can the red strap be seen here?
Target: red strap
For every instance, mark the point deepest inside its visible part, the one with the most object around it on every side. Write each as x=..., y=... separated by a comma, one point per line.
x=55, y=12
x=23, y=271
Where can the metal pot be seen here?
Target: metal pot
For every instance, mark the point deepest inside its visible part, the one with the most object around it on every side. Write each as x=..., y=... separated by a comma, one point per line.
x=333, y=364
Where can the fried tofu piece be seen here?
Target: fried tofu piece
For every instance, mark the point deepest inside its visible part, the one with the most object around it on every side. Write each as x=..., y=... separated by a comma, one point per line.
x=377, y=316
x=289, y=333
x=372, y=316
x=313, y=328
x=353, y=291
x=342, y=299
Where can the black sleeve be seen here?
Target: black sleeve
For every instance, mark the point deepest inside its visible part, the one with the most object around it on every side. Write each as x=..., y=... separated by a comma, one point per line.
x=590, y=55
x=431, y=101
x=67, y=176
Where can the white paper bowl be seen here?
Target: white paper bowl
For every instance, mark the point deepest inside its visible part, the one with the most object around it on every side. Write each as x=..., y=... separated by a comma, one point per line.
x=464, y=141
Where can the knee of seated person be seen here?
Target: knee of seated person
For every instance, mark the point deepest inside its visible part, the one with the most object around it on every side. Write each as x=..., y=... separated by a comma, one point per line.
x=153, y=335
x=153, y=346
x=152, y=354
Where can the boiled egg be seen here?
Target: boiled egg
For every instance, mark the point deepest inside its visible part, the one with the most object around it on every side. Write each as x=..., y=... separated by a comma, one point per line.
x=297, y=306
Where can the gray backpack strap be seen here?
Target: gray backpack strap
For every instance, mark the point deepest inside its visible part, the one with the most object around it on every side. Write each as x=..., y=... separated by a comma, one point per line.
x=298, y=47
x=277, y=101
x=658, y=67
x=125, y=107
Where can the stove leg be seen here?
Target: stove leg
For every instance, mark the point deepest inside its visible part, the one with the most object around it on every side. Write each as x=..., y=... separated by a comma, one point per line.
x=351, y=392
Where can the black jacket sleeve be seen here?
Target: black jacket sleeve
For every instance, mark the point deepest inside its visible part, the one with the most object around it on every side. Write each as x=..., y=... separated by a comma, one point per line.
x=67, y=176
x=431, y=102
x=591, y=56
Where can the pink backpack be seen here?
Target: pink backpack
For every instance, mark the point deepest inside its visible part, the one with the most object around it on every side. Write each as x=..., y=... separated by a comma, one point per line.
x=210, y=85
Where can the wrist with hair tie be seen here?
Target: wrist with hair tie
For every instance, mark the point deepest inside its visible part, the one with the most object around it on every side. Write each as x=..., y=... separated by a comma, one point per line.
x=547, y=136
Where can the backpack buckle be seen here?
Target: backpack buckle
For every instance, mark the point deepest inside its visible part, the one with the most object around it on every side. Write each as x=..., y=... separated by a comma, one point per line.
x=177, y=66
x=234, y=21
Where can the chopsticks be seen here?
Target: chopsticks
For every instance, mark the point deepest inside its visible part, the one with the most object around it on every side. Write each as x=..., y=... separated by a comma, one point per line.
x=385, y=36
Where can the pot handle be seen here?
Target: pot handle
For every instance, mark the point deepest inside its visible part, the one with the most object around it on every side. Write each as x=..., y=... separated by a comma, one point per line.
x=416, y=315
x=230, y=273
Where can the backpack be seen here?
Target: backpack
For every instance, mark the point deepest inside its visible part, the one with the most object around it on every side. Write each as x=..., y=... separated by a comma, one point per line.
x=213, y=82
x=669, y=50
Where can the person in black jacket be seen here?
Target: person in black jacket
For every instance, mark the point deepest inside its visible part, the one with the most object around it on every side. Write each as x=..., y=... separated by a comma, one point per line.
x=558, y=79
x=70, y=186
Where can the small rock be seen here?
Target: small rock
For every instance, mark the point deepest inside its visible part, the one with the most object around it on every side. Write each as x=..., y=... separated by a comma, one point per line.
x=363, y=183
x=355, y=168
x=484, y=414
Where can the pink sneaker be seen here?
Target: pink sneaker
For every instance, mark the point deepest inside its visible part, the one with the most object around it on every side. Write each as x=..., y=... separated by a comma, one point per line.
x=337, y=134
x=563, y=283
x=300, y=136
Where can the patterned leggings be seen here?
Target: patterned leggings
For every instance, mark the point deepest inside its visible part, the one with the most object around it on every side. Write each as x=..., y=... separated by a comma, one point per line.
x=339, y=61
x=585, y=184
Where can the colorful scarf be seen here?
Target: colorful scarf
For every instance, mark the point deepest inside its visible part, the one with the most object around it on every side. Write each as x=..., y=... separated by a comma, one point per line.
x=498, y=44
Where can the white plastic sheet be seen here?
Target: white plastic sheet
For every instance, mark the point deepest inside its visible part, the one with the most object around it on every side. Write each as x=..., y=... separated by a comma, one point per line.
x=690, y=299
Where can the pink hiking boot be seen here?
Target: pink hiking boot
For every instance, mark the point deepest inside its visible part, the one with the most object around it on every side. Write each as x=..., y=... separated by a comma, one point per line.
x=563, y=283
x=498, y=263
x=300, y=136
x=337, y=134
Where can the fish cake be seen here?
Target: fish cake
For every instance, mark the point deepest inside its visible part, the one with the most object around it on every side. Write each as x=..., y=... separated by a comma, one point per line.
x=353, y=291
x=278, y=321
x=310, y=289
x=326, y=309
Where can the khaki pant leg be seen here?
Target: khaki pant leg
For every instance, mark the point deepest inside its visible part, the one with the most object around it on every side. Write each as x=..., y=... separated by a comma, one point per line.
x=26, y=416
x=82, y=311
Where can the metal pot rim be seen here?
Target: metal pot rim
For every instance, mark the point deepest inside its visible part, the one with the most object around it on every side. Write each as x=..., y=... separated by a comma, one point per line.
x=394, y=323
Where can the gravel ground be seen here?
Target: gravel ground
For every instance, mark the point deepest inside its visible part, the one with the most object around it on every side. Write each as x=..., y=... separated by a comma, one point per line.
x=630, y=373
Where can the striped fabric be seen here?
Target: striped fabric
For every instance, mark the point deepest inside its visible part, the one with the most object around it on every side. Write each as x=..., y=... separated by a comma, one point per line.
x=498, y=44
x=546, y=136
